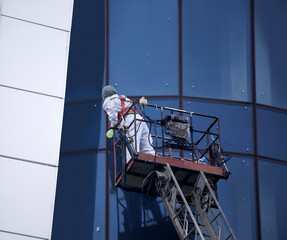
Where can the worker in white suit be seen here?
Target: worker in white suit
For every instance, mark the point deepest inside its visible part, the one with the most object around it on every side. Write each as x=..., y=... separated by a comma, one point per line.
x=115, y=106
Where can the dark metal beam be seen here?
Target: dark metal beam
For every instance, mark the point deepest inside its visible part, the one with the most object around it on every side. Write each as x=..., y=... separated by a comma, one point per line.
x=254, y=117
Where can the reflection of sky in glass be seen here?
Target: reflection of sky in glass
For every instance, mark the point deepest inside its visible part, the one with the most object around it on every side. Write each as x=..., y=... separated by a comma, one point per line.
x=236, y=197
x=80, y=198
x=272, y=182
x=216, y=49
x=144, y=47
x=235, y=123
x=83, y=127
x=134, y=217
x=272, y=131
x=271, y=52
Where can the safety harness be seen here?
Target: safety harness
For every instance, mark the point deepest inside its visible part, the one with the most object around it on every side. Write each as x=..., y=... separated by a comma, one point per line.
x=123, y=112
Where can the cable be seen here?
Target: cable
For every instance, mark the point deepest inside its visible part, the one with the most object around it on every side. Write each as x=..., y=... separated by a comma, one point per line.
x=155, y=152
x=148, y=190
x=228, y=156
x=151, y=191
x=151, y=122
x=144, y=114
x=136, y=128
x=149, y=138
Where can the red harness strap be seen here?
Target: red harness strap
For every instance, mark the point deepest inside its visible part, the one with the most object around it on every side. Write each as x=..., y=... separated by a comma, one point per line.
x=123, y=100
x=120, y=114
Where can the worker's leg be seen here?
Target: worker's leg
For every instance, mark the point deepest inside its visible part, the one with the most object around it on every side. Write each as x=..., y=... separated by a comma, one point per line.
x=129, y=122
x=146, y=140
x=142, y=137
x=139, y=133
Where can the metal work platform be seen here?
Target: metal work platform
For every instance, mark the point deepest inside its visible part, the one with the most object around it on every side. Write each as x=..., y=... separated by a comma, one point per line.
x=189, y=142
x=183, y=172
x=186, y=172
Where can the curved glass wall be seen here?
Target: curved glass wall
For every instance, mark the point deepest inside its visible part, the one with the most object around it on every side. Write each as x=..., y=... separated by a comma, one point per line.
x=80, y=197
x=272, y=182
x=144, y=47
x=83, y=127
x=235, y=123
x=216, y=49
x=272, y=131
x=236, y=196
x=143, y=57
x=87, y=51
x=134, y=217
x=79, y=211
x=271, y=52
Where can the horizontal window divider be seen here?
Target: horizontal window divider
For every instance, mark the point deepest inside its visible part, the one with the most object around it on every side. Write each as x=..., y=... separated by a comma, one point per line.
x=82, y=152
x=216, y=100
x=270, y=159
x=83, y=100
x=156, y=97
x=239, y=154
x=268, y=107
x=94, y=99
x=166, y=97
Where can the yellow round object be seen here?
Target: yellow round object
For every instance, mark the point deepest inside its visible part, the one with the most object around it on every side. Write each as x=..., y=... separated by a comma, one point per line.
x=110, y=133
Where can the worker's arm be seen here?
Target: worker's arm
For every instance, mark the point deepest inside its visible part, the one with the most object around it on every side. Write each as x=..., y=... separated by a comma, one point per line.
x=113, y=116
x=111, y=108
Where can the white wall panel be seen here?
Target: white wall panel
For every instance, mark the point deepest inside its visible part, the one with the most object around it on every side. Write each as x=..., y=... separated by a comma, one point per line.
x=30, y=125
x=33, y=57
x=54, y=13
x=10, y=236
x=27, y=197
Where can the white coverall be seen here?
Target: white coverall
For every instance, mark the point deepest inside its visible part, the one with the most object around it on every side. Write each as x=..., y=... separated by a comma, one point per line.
x=113, y=106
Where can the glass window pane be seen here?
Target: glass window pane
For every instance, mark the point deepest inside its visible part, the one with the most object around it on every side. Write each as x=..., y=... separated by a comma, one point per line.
x=235, y=123
x=80, y=198
x=273, y=195
x=236, y=197
x=144, y=47
x=272, y=132
x=271, y=52
x=83, y=127
x=216, y=52
x=87, y=50
x=100, y=197
x=132, y=216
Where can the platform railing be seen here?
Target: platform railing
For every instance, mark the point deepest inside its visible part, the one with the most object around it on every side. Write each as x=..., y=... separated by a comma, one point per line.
x=202, y=143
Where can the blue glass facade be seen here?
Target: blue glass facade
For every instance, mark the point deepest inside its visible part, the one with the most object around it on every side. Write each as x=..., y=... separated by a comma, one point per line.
x=213, y=57
x=237, y=196
x=80, y=211
x=143, y=47
x=216, y=49
x=271, y=52
x=273, y=198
